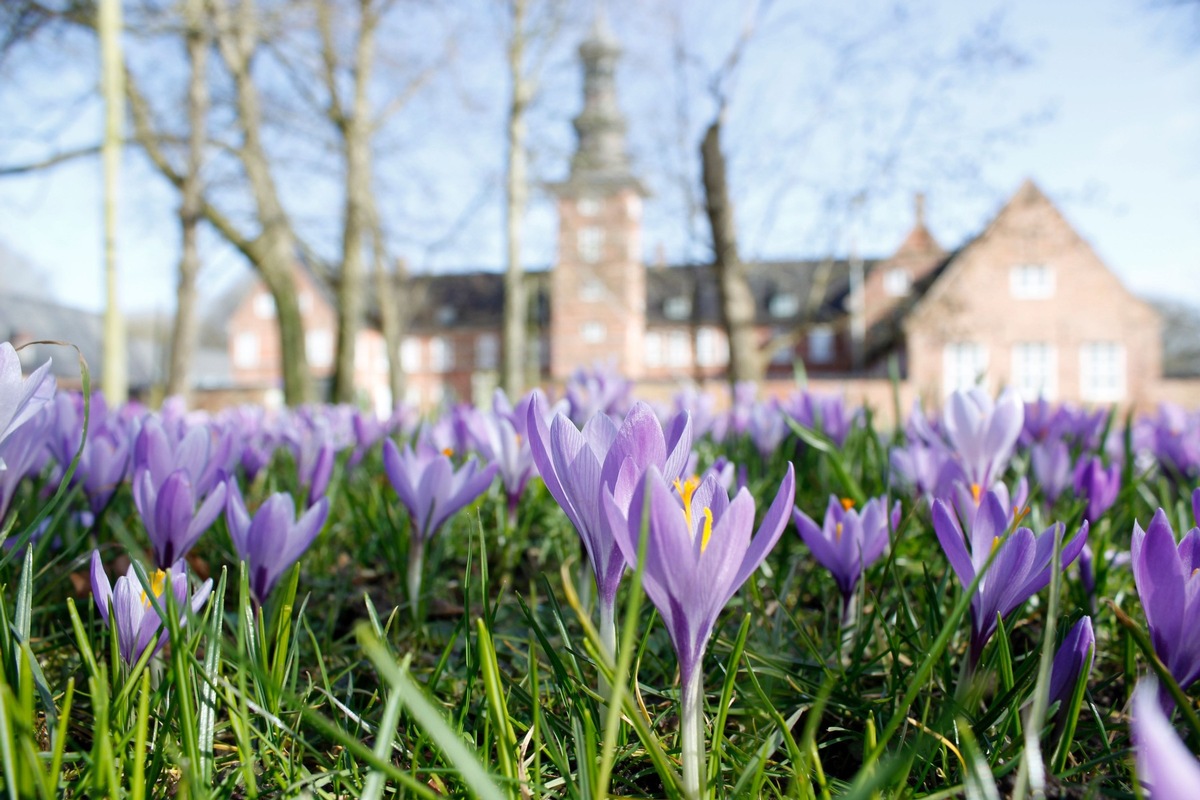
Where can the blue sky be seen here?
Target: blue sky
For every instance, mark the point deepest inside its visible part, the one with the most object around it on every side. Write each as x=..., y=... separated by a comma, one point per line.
x=1118, y=150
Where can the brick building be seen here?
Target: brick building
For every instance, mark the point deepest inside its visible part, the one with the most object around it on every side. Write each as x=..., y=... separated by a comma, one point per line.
x=1025, y=303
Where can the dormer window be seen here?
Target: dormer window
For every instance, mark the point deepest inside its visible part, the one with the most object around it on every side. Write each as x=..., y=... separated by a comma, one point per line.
x=591, y=244
x=897, y=283
x=446, y=315
x=783, y=305
x=678, y=307
x=1031, y=281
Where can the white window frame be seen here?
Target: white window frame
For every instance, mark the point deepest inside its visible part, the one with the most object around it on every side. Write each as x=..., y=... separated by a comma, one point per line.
x=1035, y=370
x=487, y=351
x=593, y=332
x=1031, y=281
x=1102, y=377
x=441, y=354
x=318, y=346
x=679, y=349
x=591, y=244
x=897, y=282
x=592, y=290
x=246, y=350
x=712, y=348
x=653, y=344
x=264, y=305
x=964, y=366
x=410, y=355
x=820, y=344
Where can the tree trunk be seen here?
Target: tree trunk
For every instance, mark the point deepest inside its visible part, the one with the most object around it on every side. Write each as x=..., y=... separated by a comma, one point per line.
x=515, y=298
x=184, y=330
x=274, y=251
x=356, y=138
x=733, y=286
x=391, y=317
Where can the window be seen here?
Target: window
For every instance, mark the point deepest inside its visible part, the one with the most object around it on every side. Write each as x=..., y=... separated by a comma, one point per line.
x=783, y=305
x=245, y=350
x=820, y=344
x=782, y=355
x=963, y=365
x=588, y=206
x=678, y=307
x=1102, y=372
x=264, y=305
x=593, y=332
x=1035, y=370
x=654, y=349
x=1031, y=281
x=591, y=244
x=678, y=354
x=318, y=345
x=410, y=355
x=897, y=283
x=712, y=348
x=487, y=351
x=441, y=354
x=412, y=396
x=592, y=291
x=305, y=302
x=446, y=315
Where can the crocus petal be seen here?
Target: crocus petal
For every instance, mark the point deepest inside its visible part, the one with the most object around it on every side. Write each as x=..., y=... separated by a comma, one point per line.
x=1165, y=766
x=102, y=591
x=950, y=536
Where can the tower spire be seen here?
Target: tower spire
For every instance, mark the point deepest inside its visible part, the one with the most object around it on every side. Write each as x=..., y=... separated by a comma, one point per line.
x=601, y=156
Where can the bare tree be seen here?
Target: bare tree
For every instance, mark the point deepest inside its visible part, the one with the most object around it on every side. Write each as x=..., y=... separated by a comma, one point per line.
x=184, y=330
x=116, y=375
x=516, y=190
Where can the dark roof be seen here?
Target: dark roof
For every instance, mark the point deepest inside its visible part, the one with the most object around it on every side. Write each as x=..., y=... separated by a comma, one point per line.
x=24, y=319
x=814, y=289
x=467, y=300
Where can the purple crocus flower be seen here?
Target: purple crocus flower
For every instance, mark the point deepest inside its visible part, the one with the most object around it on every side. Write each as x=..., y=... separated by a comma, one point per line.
x=21, y=397
x=848, y=542
x=1050, y=462
x=1020, y=569
x=602, y=389
x=1073, y=659
x=169, y=513
x=201, y=451
x=1168, y=579
x=577, y=466
x=1166, y=768
x=135, y=618
x=432, y=491
x=273, y=539
x=1099, y=484
x=767, y=427
x=502, y=438
x=699, y=552
x=982, y=434
x=826, y=413
x=23, y=453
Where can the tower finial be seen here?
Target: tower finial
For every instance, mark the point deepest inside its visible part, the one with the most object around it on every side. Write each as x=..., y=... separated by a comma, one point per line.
x=919, y=210
x=602, y=155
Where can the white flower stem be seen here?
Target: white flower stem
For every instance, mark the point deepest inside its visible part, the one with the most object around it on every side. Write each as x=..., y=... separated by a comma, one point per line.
x=608, y=641
x=416, y=562
x=849, y=626
x=691, y=732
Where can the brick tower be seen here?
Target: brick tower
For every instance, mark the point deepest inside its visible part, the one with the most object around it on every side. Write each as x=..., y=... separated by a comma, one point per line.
x=598, y=285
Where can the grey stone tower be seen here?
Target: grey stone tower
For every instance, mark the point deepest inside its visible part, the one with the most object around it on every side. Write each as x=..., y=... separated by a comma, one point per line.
x=601, y=156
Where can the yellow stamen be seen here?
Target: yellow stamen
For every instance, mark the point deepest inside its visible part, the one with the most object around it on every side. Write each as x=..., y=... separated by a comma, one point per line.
x=157, y=581
x=707, y=534
x=995, y=543
x=838, y=531
x=1197, y=569
x=686, y=489
x=448, y=452
x=1019, y=514
x=976, y=491
x=847, y=503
